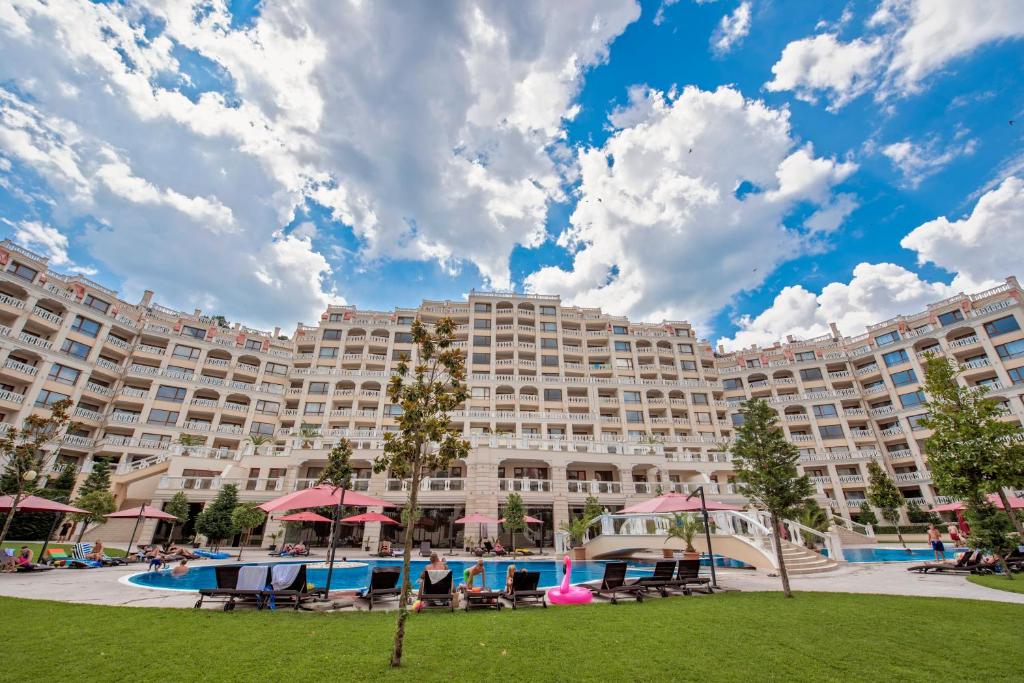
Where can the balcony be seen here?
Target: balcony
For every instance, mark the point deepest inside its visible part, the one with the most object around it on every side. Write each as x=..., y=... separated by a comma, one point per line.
x=51, y=318
x=11, y=396
x=23, y=368
x=966, y=341
x=594, y=487
x=525, y=485
x=35, y=341
x=851, y=479
x=88, y=414
x=124, y=418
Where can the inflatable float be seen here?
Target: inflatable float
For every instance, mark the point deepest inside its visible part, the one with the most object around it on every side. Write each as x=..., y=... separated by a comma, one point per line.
x=566, y=594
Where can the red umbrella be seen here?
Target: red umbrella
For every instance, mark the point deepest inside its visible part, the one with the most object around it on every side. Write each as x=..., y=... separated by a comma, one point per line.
x=674, y=502
x=143, y=512
x=526, y=518
x=305, y=517
x=368, y=517
x=322, y=496
x=1015, y=503
x=36, y=504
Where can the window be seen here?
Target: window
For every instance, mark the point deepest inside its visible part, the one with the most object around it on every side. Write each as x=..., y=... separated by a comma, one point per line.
x=887, y=338
x=732, y=383
x=895, y=358
x=623, y=363
x=481, y=308
x=552, y=394
x=276, y=368
x=687, y=365
x=156, y=439
x=481, y=393
x=268, y=407
x=163, y=417
x=825, y=410
x=950, y=317
x=328, y=352
x=737, y=419
x=63, y=374
x=481, y=358
x=699, y=399
x=684, y=348
x=547, y=310
x=175, y=371
x=915, y=421
x=620, y=329
x=169, y=393
x=548, y=343
x=811, y=374
x=806, y=355
x=914, y=398
x=549, y=361
x=1016, y=375
x=874, y=385
x=1002, y=326
x=186, y=352
x=481, y=340
x=482, y=324
x=47, y=398
x=336, y=317
x=85, y=326
x=254, y=344
x=97, y=304
x=263, y=428
x=76, y=349
x=399, y=355
x=403, y=337
x=333, y=335
x=549, y=327
x=314, y=409
x=393, y=410
x=703, y=418
x=1014, y=349
x=196, y=332
x=405, y=320
x=900, y=379
x=631, y=397
x=317, y=388
x=753, y=363
x=24, y=272
x=623, y=346
x=831, y=431
x=634, y=416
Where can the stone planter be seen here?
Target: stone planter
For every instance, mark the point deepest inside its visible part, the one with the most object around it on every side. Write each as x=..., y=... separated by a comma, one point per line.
x=579, y=554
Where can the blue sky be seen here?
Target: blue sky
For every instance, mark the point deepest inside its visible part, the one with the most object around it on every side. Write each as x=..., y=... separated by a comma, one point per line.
x=260, y=163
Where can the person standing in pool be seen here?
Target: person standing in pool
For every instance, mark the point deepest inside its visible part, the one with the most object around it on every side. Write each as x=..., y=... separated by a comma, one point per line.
x=935, y=538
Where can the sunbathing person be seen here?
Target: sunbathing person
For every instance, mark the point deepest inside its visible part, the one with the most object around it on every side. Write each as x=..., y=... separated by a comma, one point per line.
x=299, y=548
x=97, y=552
x=24, y=559
x=182, y=552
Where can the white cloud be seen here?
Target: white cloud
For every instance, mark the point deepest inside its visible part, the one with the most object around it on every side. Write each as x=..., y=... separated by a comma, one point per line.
x=918, y=161
x=732, y=29
x=49, y=240
x=982, y=248
x=660, y=219
x=823, y=63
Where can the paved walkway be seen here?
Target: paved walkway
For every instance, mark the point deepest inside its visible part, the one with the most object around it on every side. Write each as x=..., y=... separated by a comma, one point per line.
x=107, y=586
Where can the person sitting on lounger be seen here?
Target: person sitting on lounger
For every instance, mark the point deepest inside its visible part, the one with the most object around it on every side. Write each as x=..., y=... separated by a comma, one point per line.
x=24, y=559
x=469, y=576
x=97, y=552
x=510, y=578
x=181, y=569
x=299, y=548
x=437, y=563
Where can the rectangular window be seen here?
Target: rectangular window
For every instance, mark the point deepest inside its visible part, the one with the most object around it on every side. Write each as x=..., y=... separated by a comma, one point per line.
x=1014, y=349
x=631, y=397
x=481, y=358
x=811, y=374
x=482, y=324
x=1016, y=375
x=96, y=304
x=831, y=431
x=1002, y=326
x=276, y=368
x=895, y=358
x=825, y=410
x=887, y=338
x=914, y=398
x=187, y=352
x=753, y=363
x=333, y=335
x=405, y=319
x=85, y=326
x=403, y=337
x=481, y=340
x=169, y=393
x=624, y=363
x=63, y=374
x=620, y=329
x=314, y=409
x=549, y=361
x=623, y=346
x=950, y=317
x=318, y=388
x=263, y=428
x=703, y=418
x=699, y=399
x=393, y=410
x=874, y=385
x=915, y=420
x=549, y=327
x=552, y=394
x=24, y=272
x=163, y=417
x=190, y=331
x=737, y=419
x=900, y=379
x=548, y=343
x=254, y=344
x=481, y=393
x=76, y=349
x=684, y=348
x=732, y=383
x=806, y=355
x=328, y=352
x=481, y=308
x=47, y=398
x=687, y=365
x=268, y=407
x=547, y=310
x=634, y=416
x=154, y=439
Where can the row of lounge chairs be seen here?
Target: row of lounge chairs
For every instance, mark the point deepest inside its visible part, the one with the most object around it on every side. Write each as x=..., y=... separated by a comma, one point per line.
x=971, y=563
x=259, y=585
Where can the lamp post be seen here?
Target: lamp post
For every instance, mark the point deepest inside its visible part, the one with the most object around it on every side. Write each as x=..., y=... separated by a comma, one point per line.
x=707, y=532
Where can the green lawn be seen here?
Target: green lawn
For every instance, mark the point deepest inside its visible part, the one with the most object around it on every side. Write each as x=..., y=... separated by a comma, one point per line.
x=36, y=546
x=732, y=636
x=999, y=582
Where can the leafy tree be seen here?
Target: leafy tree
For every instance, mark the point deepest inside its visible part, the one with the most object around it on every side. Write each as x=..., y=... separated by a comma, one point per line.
x=61, y=486
x=338, y=475
x=867, y=515
x=427, y=388
x=308, y=433
x=98, y=479
x=97, y=505
x=686, y=527
x=179, y=507
x=991, y=531
x=915, y=515
x=246, y=517
x=189, y=441
x=765, y=464
x=22, y=448
x=883, y=494
x=515, y=514
x=592, y=508
x=814, y=517
x=971, y=450
x=215, y=520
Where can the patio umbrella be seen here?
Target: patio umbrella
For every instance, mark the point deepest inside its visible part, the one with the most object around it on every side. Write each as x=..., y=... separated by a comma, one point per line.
x=526, y=519
x=38, y=504
x=479, y=520
x=139, y=513
x=1015, y=503
x=304, y=517
x=368, y=517
x=674, y=502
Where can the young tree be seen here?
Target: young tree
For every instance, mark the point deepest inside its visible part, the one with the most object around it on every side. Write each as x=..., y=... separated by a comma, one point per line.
x=246, y=517
x=971, y=450
x=765, y=464
x=426, y=388
x=515, y=516
x=991, y=531
x=97, y=505
x=337, y=475
x=22, y=448
x=215, y=521
x=883, y=494
x=592, y=508
x=98, y=479
x=867, y=515
x=685, y=528
x=179, y=507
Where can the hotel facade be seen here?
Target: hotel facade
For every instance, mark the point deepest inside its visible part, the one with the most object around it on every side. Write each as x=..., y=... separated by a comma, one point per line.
x=566, y=402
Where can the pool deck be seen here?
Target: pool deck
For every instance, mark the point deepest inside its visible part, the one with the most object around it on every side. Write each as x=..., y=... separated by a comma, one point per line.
x=108, y=586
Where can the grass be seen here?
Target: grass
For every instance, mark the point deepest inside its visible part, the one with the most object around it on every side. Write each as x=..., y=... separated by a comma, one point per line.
x=726, y=637
x=999, y=582
x=36, y=546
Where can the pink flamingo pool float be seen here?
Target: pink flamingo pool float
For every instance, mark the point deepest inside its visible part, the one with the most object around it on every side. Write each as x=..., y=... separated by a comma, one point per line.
x=566, y=594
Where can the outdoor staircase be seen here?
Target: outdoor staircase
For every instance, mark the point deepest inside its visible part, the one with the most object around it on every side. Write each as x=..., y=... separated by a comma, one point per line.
x=800, y=560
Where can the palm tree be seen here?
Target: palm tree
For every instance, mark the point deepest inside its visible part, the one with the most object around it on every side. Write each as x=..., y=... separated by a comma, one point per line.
x=814, y=517
x=576, y=527
x=258, y=440
x=685, y=528
x=308, y=433
x=189, y=441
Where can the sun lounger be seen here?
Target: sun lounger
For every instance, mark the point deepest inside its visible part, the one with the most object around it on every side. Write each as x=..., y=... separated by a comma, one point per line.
x=231, y=592
x=437, y=593
x=524, y=589
x=81, y=550
x=383, y=584
x=397, y=550
x=688, y=575
x=614, y=584
x=966, y=561
x=481, y=599
x=425, y=549
x=288, y=583
x=661, y=580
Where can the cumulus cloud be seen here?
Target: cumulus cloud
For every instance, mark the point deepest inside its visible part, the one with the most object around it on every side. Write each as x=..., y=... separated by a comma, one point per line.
x=823, y=63
x=732, y=29
x=918, y=161
x=45, y=238
x=684, y=207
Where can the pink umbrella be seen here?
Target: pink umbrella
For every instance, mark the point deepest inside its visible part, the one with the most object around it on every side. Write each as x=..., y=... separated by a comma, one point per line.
x=368, y=517
x=143, y=512
x=36, y=504
x=304, y=517
x=1015, y=503
x=477, y=519
x=674, y=502
x=322, y=496
x=526, y=518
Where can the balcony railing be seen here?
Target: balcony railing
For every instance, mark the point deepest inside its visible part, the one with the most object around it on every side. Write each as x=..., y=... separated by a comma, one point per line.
x=525, y=485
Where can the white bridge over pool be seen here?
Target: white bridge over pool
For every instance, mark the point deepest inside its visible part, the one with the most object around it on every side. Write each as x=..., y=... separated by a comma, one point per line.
x=743, y=536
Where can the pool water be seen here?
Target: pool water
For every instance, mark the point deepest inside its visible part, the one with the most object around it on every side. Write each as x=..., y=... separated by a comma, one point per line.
x=875, y=554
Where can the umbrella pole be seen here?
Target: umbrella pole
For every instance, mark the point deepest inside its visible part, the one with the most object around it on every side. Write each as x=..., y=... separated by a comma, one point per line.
x=53, y=527
x=333, y=543
x=451, y=537
x=128, y=552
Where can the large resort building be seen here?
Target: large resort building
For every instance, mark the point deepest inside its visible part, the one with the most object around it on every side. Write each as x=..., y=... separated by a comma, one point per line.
x=566, y=402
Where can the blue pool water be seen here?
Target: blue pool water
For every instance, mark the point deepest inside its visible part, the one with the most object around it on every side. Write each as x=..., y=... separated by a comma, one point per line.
x=351, y=578
x=874, y=554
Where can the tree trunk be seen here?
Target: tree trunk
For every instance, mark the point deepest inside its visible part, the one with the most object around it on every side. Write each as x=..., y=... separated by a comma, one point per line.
x=1006, y=568
x=403, y=601
x=783, y=573
x=896, y=525
x=1013, y=516
x=85, y=523
x=10, y=516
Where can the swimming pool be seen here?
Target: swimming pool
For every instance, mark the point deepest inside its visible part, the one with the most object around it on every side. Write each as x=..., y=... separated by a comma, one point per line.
x=876, y=554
